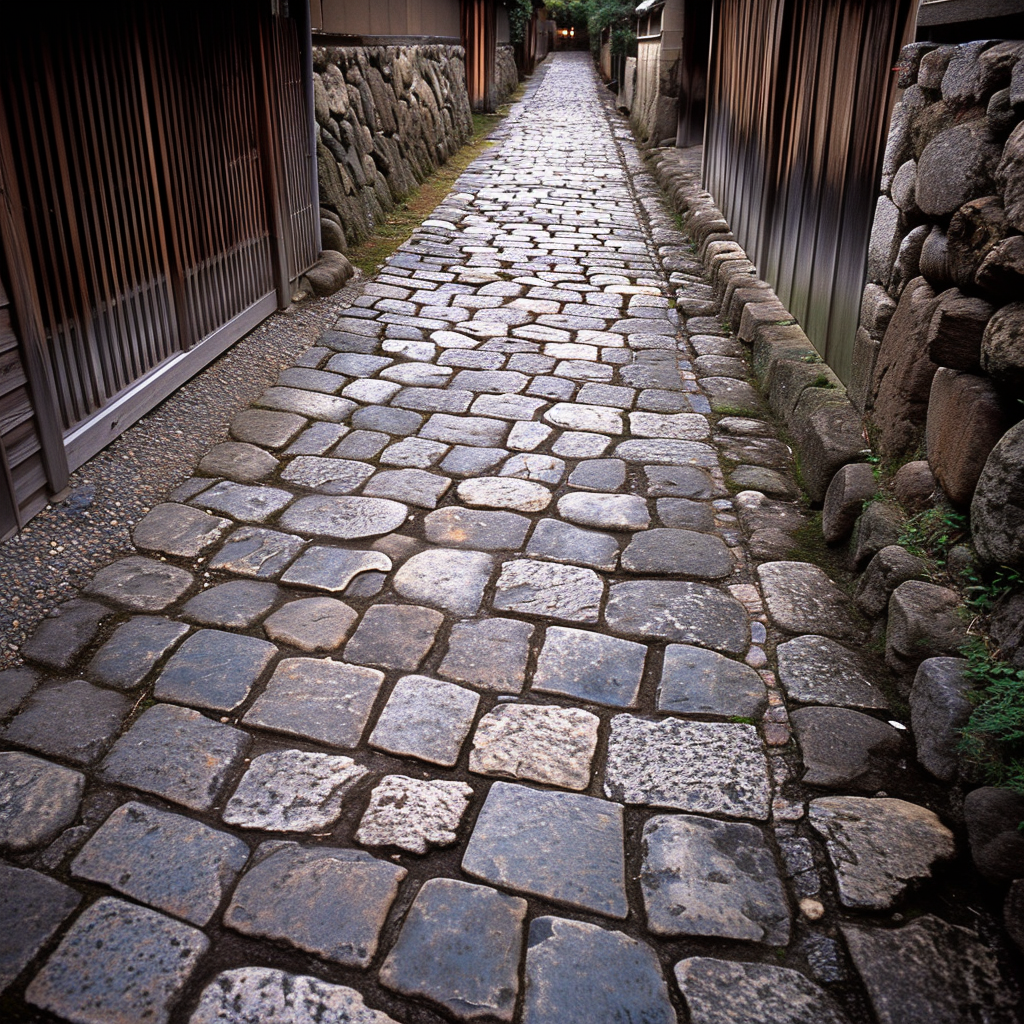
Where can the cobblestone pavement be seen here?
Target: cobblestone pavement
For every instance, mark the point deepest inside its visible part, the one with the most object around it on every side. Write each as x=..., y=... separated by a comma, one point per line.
x=442, y=691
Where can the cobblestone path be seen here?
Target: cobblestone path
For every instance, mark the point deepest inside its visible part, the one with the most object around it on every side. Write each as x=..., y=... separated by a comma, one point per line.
x=440, y=693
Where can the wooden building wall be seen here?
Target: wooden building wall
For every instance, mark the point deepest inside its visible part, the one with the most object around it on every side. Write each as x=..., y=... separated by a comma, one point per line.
x=428, y=18
x=799, y=95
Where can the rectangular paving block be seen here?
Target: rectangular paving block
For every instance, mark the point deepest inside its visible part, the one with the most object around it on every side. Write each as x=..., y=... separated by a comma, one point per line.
x=125, y=660
x=590, y=666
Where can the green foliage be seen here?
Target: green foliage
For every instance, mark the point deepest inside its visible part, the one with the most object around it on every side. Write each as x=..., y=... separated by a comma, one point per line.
x=931, y=533
x=982, y=590
x=596, y=16
x=519, y=14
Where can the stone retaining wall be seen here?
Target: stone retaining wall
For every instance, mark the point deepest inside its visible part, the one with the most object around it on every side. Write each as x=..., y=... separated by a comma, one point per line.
x=506, y=74
x=387, y=116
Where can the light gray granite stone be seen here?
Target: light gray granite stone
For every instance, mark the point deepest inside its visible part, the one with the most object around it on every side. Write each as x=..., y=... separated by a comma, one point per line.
x=505, y=492
x=256, y=552
x=311, y=623
x=347, y=518
x=476, y=529
x=140, y=584
x=413, y=814
x=172, y=529
x=801, y=598
x=590, y=666
x=488, y=654
x=564, y=592
x=817, y=670
x=699, y=682
x=605, y=511
x=445, y=578
x=394, y=636
x=333, y=569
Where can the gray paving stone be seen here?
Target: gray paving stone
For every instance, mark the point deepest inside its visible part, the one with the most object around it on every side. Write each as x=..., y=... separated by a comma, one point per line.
x=678, y=553
x=243, y=463
x=65, y=633
x=531, y=363
x=140, y=584
x=800, y=598
x=712, y=878
x=667, y=451
x=333, y=569
x=687, y=426
x=177, y=754
x=317, y=699
x=476, y=431
x=317, y=439
x=460, y=948
x=699, y=682
x=657, y=400
x=591, y=666
x=496, y=382
x=542, y=468
x=265, y=428
x=118, y=964
x=293, y=791
x=678, y=482
x=245, y=502
x=467, y=461
x=578, y=973
x=708, y=767
x=595, y=419
x=311, y=623
x=263, y=995
x=564, y=847
x=328, y=902
x=348, y=518
x=172, y=529
x=164, y=860
x=453, y=399
x=879, y=847
x=253, y=551
x=38, y=800
x=599, y=475
x=312, y=404
x=418, y=374
x=394, y=636
x=413, y=814
x=605, y=511
x=574, y=444
x=507, y=407
x=729, y=992
x=527, y=437
x=425, y=718
x=684, y=514
x=359, y=364
x=310, y=379
x=505, y=492
x=476, y=529
x=557, y=388
x=361, y=444
x=446, y=578
x=371, y=391
x=32, y=907
x=414, y=452
x=846, y=750
x=328, y=476
x=817, y=670
x=489, y=654
x=547, y=744
x=560, y=542
x=214, y=669
x=350, y=341
x=582, y=370
x=15, y=685
x=74, y=721
x=565, y=592
x=607, y=394
x=236, y=604
x=691, y=613
x=414, y=486
x=386, y=420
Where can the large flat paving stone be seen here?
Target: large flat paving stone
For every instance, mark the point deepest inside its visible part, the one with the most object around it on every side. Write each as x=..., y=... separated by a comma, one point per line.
x=140, y=584
x=311, y=623
x=692, y=613
x=712, y=878
x=667, y=452
x=258, y=553
x=333, y=569
x=344, y=518
x=394, y=636
x=476, y=431
x=38, y=800
x=605, y=511
x=505, y=493
x=598, y=419
x=245, y=502
x=564, y=847
x=413, y=486
x=293, y=791
x=237, y=604
x=135, y=647
x=561, y=542
x=328, y=476
x=118, y=964
x=264, y=995
x=879, y=847
x=414, y=452
x=266, y=428
x=15, y=685
x=238, y=461
x=686, y=426
x=730, y=992
x=172, y=529
x=578, y=973
x=177, y=754
x=65, y=633
x=547, y=744
x=591, y=666
x=843, y=749
x=817, y=670
x=214, y=669
x=413, y=814
x=317, y=699
x=488, y=654
x=931, y=972
x=453, y=580
x=565, y=592
x=695, y=681
x=74, y=721
x=460, y=947
x=476, y=529
x=708, y=767
x=167, y=861
x=32, y=907
x=464, y=460
x=678, y=482
x=801, y=598
x=678, y=553
x=605, y=475
x=325, y=901
x=425, y=718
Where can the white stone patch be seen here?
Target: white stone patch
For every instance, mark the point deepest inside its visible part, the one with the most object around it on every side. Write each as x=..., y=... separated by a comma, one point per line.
x=413, y=814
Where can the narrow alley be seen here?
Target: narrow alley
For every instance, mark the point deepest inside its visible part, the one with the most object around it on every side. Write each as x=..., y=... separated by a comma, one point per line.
x=449, y=689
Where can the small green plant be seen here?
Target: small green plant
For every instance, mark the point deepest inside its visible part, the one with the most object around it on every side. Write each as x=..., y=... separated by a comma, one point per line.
x=983, y=590
x=821, y=381
x=931, y=533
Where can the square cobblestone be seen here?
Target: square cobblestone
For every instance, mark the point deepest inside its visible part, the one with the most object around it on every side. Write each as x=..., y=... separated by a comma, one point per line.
x=258, y=553
x=237, y=604
x=333, y=569
x=489, y=654
x=413, y=814
x=65, y=633
x=38, y=800
x=590, y=666
x=394, y=636
x=125, y=660
x=311, y=623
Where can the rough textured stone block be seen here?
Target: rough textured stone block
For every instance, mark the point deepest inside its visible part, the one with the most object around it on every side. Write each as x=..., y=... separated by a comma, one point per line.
x=38, y=800
x=939, y=709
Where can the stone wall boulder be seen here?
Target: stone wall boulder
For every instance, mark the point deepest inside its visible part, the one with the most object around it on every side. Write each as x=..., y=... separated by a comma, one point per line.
x=923, y=623
x=997, y=511
x=939, y=709
x=1002, y=348
x=956, y=329
x=956, y=166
